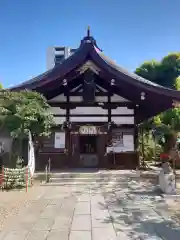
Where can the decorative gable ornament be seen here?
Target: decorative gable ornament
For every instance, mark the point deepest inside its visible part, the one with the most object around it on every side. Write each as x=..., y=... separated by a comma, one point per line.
x=89, y=65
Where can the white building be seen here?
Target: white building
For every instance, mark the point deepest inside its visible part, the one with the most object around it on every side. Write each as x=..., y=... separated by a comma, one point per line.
x=55, y=55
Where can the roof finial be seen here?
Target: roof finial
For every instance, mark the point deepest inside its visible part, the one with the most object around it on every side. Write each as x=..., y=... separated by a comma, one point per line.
x=88, y=31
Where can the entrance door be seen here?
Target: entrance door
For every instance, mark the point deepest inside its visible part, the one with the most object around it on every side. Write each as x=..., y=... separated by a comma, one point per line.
x=88, y=150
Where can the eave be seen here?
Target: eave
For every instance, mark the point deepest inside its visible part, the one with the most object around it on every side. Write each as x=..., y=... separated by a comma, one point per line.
x=128, y=85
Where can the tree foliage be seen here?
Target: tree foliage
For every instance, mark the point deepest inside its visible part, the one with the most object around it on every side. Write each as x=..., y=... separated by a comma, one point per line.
x=164, y=72
x=25, y=111
x=167, y=124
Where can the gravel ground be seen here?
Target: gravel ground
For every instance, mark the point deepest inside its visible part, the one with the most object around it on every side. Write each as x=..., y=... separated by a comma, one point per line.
x=13, y=202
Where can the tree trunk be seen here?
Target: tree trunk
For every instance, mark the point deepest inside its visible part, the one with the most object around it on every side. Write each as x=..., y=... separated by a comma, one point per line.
x=21, y=141
x=170, y=142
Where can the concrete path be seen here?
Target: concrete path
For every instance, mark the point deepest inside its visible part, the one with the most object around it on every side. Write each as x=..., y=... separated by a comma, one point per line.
x=129, y=209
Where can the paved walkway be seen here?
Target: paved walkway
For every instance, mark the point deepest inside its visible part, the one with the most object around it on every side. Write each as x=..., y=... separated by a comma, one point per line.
x=130, y=209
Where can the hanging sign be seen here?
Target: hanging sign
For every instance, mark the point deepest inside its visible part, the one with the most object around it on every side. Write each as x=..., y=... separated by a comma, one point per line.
x=59, y=141
x=88, y=130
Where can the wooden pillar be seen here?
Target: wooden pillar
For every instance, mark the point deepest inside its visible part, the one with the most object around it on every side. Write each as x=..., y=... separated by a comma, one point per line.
x=109, y=131
x=136, y=137
x=135, y=131
x=109, y=104
x=67, y=105
x=67, y=129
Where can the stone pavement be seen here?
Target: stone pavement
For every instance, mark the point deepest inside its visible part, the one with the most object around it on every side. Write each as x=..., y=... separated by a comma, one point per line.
x=128, y=209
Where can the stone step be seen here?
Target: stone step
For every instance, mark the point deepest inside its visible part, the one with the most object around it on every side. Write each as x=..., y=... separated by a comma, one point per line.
x=93, y=175
x=85, y=179
x=74, y=183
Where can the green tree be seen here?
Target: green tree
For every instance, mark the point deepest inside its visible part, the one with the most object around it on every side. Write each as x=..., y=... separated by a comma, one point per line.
x=149, y=70
x=164, y=72
x=21, y=112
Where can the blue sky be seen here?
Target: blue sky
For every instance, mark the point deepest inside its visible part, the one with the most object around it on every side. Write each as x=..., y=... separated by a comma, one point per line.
x=128, y=31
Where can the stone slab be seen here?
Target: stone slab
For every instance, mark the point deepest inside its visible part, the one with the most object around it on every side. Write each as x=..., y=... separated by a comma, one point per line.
x=58, y=234
x=43, y=224
x=84, y=198
x=80, y=235
x=82, y=208
x=18, y=226
x=50, y=211
x=16, y=235
x=81, y=222
x=37, y=235
x=62, y=222
x=103, y=234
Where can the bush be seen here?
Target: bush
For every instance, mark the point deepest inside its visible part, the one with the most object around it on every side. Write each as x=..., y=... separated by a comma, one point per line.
x=151, y=150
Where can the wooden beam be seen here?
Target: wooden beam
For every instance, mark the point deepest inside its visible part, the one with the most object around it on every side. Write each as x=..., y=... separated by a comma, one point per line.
x=99, y=89
x=98, y=94
x=99, y=124
x=76, y=90
x=92, y=104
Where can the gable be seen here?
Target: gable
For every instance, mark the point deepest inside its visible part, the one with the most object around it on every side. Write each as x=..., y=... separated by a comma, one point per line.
x=89, y=65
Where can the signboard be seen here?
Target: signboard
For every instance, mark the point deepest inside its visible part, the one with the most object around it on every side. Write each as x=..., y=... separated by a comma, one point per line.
x=123, y=143
x=88, y=130
x=128, y=142
x=117, y=141
x=59, y=141
x=117, y=137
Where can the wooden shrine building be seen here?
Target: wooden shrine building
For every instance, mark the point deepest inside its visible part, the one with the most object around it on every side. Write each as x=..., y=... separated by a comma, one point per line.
x=97, y=106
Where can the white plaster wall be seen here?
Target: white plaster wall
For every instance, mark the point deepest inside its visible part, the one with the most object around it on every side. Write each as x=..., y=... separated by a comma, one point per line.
x=76, y=99
x=91, y=110
x=88, y=110
x=122, y=110
x=123, y=120
x=101, y=99
x=117, y=98
x=57, y=110
x=59, y=98
x=88, y=119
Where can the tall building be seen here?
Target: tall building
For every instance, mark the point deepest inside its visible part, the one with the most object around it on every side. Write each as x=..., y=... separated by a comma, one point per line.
x=56, y=55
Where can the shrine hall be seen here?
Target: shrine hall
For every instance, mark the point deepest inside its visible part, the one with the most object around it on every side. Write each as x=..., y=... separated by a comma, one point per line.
x=97, y=107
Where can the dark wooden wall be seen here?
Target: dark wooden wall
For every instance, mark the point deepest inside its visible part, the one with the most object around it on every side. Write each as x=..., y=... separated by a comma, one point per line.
x=60, y=158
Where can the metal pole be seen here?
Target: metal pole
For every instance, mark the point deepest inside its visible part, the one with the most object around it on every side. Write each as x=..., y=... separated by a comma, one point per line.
x=27, y=178
x=46, y=171
x=49, y=165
